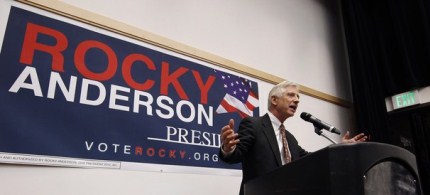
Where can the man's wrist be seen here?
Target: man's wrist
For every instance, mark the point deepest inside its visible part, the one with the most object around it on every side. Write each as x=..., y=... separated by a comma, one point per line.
x=224, y=152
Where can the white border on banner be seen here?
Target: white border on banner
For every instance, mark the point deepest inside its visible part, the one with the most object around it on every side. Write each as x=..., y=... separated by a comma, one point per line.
x=30, y=159
x=13, y=158
x=179, y=169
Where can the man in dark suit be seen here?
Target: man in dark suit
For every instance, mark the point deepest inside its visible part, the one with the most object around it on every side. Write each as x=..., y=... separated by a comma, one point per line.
x=262, y=144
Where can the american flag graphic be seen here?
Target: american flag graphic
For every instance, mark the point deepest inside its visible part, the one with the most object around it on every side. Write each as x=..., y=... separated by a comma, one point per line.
x=240, y=96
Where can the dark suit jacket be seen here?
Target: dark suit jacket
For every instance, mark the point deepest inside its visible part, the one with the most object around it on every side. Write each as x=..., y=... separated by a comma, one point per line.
x=258, y=149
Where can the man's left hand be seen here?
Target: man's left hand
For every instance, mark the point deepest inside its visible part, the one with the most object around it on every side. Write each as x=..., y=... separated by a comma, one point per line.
x=358, y=138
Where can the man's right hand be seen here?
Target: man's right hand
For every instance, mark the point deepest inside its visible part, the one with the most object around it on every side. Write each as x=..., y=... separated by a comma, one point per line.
x=228, y=137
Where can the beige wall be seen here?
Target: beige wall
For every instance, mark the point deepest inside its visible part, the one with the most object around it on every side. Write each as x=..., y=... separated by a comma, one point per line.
x=298, y=40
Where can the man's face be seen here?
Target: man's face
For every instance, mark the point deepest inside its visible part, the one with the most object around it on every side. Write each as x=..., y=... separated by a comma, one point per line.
x=287, y=105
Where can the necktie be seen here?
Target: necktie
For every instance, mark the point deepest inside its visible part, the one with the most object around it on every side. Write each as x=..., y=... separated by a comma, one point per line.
x=286, y=152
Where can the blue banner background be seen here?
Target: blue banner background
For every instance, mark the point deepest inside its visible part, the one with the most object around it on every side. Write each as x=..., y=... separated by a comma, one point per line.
x=56, y=127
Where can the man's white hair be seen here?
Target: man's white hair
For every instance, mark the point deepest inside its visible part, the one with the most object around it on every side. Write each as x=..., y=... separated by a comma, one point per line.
x=279, y=90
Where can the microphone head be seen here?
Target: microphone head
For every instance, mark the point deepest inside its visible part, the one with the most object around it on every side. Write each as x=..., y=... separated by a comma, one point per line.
x=305, y=116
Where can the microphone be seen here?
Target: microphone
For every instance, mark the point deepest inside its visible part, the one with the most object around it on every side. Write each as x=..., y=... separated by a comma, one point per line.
x=318, y=123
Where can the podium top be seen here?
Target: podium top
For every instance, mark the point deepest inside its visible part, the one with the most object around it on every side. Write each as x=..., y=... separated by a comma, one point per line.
x=336, y=169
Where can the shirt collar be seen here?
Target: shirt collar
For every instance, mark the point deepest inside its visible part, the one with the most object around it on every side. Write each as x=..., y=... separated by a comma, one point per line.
x=275, y=121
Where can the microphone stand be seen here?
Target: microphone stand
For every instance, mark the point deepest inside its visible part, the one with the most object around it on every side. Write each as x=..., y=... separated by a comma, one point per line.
x=319, y=132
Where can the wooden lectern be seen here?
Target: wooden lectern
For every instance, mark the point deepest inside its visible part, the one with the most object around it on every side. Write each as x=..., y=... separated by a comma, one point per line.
x=344, y=169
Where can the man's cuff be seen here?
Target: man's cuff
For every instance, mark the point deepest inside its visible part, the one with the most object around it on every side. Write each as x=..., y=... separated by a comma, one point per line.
x=224, y=153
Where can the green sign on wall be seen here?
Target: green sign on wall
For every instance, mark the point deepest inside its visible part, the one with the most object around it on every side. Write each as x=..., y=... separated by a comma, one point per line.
x=405, y=99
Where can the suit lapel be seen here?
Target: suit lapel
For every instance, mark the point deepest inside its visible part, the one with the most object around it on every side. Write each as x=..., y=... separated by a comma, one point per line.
x=271, y=138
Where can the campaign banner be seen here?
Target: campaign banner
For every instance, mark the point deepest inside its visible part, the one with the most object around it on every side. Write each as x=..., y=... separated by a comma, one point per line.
x=73, y=96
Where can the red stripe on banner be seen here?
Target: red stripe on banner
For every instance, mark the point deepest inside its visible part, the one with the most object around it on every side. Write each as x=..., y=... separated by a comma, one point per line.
x=252, y=101
x=231, y=108
x=228, y=107
x=242, y=115
x=250, y=106
x=253, y=95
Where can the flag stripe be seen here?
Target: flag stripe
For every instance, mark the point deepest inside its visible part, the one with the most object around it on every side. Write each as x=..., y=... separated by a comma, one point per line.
x=231, y=104
x=252, y=100
x=239, y=95
x=231, y=108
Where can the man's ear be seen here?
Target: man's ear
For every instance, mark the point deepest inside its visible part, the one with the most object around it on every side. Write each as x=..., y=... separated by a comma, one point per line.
x=273, y=100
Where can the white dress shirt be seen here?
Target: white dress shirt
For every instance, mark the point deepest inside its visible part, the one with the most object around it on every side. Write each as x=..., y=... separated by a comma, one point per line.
x=276, y=124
